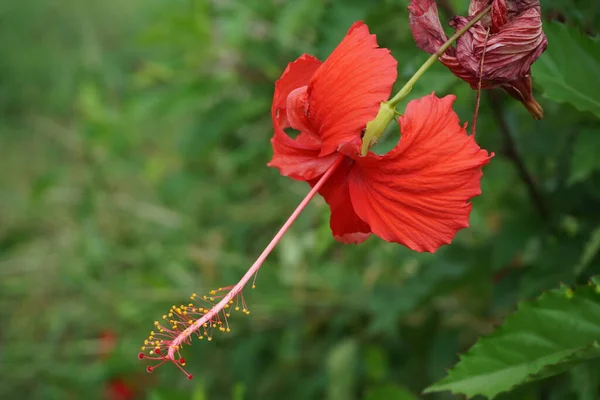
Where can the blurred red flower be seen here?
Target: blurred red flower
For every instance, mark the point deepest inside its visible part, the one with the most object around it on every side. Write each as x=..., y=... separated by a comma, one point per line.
x=514, y=41
x=417, y=194
x=117, y=389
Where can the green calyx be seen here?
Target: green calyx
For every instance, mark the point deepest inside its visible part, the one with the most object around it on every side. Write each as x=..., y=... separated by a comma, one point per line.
x=376, y=127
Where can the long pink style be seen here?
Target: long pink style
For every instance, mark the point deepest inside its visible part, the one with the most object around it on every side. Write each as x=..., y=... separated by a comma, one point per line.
x=182, y=337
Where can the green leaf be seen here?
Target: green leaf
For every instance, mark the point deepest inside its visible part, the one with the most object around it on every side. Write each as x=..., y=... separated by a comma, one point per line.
x=564, y=71
x=541, y=339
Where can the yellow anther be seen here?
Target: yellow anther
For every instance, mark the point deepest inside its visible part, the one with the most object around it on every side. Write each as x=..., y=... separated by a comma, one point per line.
x=209, y=338
x=237, y=308
x=228, y=330
x=146, y=341
x=253, y=286
x=213, y=292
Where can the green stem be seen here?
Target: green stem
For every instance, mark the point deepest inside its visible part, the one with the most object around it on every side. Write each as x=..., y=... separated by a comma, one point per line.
x=431, y=60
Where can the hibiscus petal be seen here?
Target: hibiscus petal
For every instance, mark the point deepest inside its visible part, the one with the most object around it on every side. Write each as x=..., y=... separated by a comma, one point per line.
x=509, y=53
x=499, y=15
x=299, y=158
x=346, y=92
x=345, y=225
x=425, y=25
x=429, y=36
x=295, y=75
x=418, y=193
x=514, y=48
x=477, y=6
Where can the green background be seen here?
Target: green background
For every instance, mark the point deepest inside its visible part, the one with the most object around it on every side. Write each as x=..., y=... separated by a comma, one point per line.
x=134, y=137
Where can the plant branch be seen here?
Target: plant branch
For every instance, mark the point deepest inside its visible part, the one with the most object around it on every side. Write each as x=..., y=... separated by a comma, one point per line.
x=511, y=151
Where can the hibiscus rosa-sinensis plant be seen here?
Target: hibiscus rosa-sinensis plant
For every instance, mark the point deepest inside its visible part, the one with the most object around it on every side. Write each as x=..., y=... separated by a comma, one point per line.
x=418, y=193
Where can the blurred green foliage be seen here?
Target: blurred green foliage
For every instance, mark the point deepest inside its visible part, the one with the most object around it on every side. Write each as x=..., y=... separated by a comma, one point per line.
x=133, y=142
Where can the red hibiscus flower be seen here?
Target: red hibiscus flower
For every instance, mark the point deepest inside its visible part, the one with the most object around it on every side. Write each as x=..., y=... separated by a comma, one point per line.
x=418, y=193
x=509, y=40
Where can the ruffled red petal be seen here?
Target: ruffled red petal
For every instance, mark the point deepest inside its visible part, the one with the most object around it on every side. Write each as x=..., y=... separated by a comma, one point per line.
x=345, y=225
x=418, y=193
x=297, y=158
x=346, y=92
x=295, y=75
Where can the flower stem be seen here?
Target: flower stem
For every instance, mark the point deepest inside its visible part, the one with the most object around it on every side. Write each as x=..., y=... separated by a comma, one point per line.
x=408, y=86
x=214, y=311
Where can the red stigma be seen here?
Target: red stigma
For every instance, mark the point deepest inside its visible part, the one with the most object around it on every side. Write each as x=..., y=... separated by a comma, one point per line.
x=141, y=355
x=149, y=369
x=190, y=376
x=182, y=361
